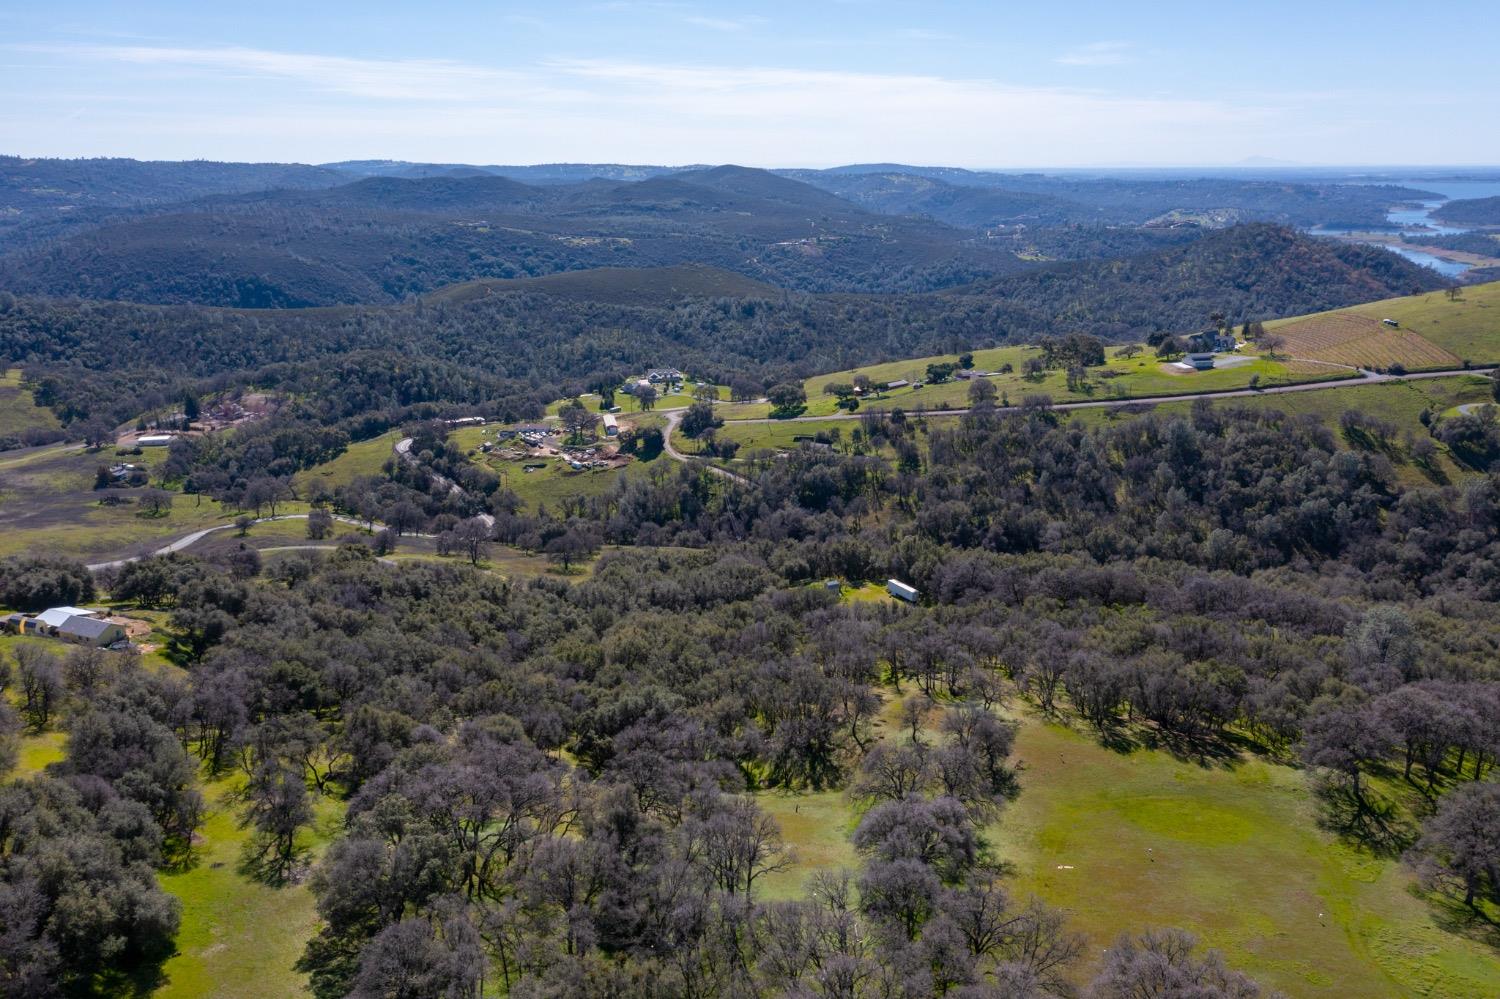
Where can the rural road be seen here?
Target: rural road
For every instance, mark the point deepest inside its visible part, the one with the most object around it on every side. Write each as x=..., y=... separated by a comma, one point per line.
x=674, y=417
x=403, y=451
x=188, y=540
x=1365, y=377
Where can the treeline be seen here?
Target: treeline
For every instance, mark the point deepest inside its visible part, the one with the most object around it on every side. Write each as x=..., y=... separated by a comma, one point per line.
x=1474, y=211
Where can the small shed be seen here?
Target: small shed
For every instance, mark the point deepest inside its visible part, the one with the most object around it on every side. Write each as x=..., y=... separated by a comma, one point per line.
x=833, y=585
x=90, y=631
x=901, y=591
x=1202, y=361
x=611, y=425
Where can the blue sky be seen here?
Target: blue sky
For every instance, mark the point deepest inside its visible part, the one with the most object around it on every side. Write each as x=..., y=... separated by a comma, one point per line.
x=811, y=83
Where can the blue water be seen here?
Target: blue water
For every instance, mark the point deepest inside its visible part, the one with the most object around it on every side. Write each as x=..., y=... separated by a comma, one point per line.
x=1447, y=268
x=1418, y=220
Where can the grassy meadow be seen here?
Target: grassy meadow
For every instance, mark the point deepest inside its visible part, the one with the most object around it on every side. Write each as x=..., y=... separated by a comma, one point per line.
x=240, y=936
x=360, y=458
x=1231, y=849
x=1118, y=378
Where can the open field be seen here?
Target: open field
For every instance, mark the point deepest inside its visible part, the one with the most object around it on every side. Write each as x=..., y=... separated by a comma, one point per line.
x=240, y=937
x=754, y=436
x=817, y=824
x=18, y=410
x=48, y=504
x=1467, y=328
x=1233, y=853
x=1123, y=842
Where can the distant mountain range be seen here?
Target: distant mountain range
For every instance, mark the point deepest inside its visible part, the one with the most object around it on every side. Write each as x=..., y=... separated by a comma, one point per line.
x=288, y=236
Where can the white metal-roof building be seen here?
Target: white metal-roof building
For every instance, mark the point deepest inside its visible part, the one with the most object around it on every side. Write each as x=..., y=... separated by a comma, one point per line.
x=55, y=617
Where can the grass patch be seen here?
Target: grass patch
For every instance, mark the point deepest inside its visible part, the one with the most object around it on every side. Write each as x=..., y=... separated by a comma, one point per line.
x=359, y=458
x=869, y=593
x=817, y=825
x=1235, y=854
x=1118, y=378
x=239, y=937
x=40, y=751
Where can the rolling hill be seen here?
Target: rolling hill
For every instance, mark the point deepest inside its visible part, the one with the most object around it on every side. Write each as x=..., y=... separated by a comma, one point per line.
x=383, y=239
x=1246, y=273
x=981, y=198
x=44, y=199
x=1475, y=211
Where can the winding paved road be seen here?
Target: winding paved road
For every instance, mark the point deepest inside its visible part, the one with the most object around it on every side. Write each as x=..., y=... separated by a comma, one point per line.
x=674, y=417
x=403, y=451
x=188, y=540
x=1365, y=377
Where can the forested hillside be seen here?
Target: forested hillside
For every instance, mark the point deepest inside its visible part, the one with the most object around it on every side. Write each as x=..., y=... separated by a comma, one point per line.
x=261, y=237
x=515, y=346
x=42, y=199
x=1247, y=271
x=1475, y=211
x=977, y=199
x=384, y=239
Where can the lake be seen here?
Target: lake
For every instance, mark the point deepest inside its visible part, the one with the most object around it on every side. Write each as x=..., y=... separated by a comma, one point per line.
x=1417, y=220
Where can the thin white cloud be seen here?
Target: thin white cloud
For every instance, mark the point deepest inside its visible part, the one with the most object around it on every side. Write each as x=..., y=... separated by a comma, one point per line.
x=600, y=109
x=1097, y=54
x=387, y=79
x=722, y=23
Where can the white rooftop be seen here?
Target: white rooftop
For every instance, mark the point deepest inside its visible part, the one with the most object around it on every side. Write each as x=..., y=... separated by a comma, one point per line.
x=53, y=617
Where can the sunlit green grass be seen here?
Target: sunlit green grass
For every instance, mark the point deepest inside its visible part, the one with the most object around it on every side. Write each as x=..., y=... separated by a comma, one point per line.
x=240, y=937
x=817, y=826
x=1233, y=853
x=1118, y=378
x=360, y=458
x=18, y=410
